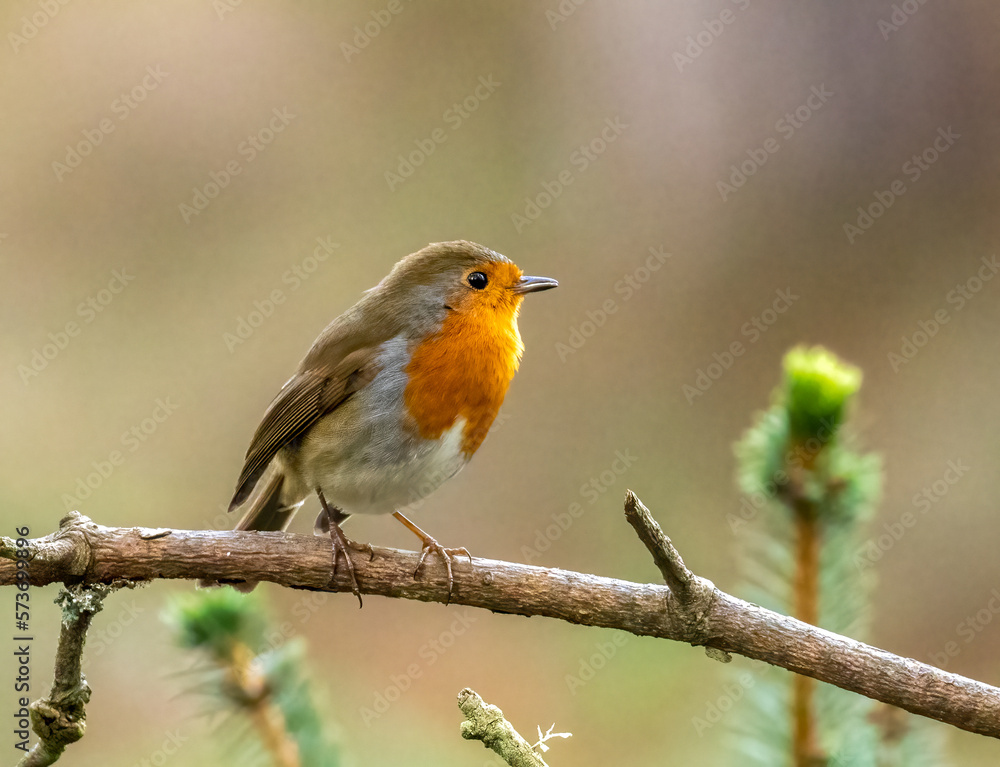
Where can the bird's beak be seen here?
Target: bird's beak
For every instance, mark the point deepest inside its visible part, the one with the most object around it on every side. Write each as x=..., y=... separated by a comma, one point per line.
x=533, y=285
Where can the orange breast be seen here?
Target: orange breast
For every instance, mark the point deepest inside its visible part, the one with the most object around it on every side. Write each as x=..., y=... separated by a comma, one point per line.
x=464, y=370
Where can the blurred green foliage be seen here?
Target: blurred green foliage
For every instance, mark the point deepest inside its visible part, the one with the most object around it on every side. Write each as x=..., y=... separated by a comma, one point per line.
x=801, y=456
x=267, y=687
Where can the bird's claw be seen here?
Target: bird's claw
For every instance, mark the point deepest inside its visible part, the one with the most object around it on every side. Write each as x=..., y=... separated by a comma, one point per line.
x=340, y=545
x=431, y=546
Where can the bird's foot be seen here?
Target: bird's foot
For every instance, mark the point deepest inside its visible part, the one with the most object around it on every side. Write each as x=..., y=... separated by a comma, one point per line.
x=341, y=544
x=329, y=522
x=431, y=546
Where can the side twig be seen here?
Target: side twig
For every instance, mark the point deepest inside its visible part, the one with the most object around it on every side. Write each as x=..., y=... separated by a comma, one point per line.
x=689, y=600
x=486, y=722
x=61, y=719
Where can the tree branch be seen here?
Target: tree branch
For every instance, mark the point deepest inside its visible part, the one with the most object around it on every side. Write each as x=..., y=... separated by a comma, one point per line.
x=61, y=718
x=84, y=552
x=486, y=722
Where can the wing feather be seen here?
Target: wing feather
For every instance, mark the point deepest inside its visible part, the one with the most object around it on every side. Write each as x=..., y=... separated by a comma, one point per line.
x=308, y=396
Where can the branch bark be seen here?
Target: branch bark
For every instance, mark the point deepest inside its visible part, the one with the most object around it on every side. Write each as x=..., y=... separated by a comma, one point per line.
x=697, y=613
x=61, y=718
x=486, y=722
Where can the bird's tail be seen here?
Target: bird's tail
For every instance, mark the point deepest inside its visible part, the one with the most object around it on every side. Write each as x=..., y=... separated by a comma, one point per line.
x=267, y=513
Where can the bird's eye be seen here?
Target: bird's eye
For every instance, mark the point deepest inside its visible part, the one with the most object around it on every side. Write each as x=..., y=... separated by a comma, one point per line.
x=478, y=280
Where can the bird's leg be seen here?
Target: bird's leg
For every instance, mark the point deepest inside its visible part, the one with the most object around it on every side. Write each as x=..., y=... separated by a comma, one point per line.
x=329, y=521
x=431, y=545
x=327, y=515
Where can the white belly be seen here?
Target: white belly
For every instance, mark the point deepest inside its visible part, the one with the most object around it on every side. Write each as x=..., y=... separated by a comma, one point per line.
x=365, y=460
x=360, y=485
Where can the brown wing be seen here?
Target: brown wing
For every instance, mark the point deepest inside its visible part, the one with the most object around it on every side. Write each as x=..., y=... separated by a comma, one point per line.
x=307, y=396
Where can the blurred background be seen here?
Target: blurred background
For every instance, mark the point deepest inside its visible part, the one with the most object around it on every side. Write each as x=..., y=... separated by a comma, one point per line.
x=191, y=191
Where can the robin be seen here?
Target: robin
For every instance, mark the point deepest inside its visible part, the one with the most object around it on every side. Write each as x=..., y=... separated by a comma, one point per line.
x=393, y=398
